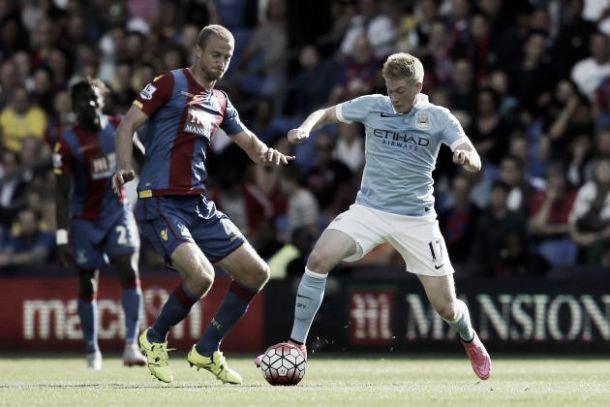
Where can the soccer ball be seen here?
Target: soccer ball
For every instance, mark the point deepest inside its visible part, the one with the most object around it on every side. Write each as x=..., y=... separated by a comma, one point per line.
x=283, y=364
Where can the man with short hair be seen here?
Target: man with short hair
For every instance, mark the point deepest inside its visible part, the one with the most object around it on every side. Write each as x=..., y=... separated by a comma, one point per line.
x=395, y=203
x=93, y=222
x=184, y=112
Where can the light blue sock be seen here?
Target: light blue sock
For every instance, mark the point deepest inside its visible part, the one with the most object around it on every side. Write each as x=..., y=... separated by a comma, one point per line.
x=462, y=323
x=309, y=298
x=131, y=299
x=87, y=312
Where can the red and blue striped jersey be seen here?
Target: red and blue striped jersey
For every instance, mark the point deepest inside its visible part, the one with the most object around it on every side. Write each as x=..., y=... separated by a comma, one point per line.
x=90, y=158
x=183, y=116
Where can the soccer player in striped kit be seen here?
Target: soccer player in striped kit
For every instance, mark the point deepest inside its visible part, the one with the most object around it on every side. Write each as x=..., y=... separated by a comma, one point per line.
x=395, y=204
x=184, y=111
x=94, y=223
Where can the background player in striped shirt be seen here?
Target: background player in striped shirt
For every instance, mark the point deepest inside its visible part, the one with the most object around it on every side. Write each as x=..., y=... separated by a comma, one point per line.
x=184, y=111
x=395, y=203
x=101, y=224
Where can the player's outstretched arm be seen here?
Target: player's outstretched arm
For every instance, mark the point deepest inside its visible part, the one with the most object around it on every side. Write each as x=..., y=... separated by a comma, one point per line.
x=258, y=151
x=315, y=120
x=134, y=118
x=466, y=155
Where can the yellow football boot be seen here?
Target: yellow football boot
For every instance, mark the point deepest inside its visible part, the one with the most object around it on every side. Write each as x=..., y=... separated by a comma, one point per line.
x=156, y=358
x=217, y=365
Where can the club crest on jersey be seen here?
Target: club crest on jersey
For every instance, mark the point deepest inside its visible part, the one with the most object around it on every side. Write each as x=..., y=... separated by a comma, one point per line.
x=148, y=92
x=422, y=120
x=198, y=122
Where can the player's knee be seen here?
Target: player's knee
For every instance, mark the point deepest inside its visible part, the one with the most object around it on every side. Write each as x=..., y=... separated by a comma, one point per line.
x=201, y=281
x=447, y=310
x=319, y=262
x=260, y=276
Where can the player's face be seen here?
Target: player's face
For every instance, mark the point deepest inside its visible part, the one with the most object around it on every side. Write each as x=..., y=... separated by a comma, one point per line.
x=89, y=104
x=402, y=93
x=214, y=59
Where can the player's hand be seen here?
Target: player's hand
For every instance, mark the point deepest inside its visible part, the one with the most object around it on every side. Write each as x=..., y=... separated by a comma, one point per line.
x=297, y=136
x=64, y=255
x=461, y=157
x=272, y=156
x=120, y=178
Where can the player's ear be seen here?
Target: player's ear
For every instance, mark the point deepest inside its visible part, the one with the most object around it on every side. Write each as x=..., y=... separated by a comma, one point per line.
x=198, y=51
x=419, y=86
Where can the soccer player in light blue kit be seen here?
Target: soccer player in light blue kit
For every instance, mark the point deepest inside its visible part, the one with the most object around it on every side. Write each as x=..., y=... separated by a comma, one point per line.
x=395, y=204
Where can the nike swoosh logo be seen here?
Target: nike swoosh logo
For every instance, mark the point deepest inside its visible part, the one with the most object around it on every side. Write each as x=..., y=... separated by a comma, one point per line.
x=438, y=267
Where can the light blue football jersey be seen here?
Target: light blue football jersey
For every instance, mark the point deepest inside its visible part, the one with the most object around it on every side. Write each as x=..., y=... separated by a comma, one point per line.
x=401, y=151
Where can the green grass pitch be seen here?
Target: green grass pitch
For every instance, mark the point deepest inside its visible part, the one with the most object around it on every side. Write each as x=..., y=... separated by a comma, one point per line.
x=346, y=381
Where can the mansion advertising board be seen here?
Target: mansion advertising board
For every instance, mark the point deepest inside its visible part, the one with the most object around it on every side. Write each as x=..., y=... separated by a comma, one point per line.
x=521, y=315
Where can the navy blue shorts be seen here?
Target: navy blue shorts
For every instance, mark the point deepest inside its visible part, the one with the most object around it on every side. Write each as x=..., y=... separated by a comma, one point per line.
x=94, y=241
x=168, y=221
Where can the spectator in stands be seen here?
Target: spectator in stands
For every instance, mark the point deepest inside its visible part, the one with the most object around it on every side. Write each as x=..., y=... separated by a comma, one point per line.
x=302, y=208
x=490, y=132
x=12, y=187
x=548, y=218
x=462, y=95
x=496, y=224
x=571, y=44
x=265, y=57
x=558, y=124
x=521, y=188
x=30, y=246
x=123, y=93
x=376, y=26
x=458, y=220
x=590, y=216
x=358, y=73
x=8, y=81
x=589, y=73
x=349, y=148
x=21, y=119
x=314, y=80
x=329, y=180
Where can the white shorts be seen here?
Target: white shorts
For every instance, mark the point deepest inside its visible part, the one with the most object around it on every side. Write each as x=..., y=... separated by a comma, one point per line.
x=418, y=239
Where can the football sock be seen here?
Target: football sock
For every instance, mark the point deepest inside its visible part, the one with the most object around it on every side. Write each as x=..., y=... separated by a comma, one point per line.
x=131, y=299
x=462, y=323
x=309, y=298
x=176, y=308
x=234, y=305
x=87, y=312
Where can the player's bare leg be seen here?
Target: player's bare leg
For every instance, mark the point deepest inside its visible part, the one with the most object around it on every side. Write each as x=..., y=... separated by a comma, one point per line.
x=250, y=273
x=197, y=277
x=131, y=300
x=441, y=294
x=332, y=247
x=87, y=313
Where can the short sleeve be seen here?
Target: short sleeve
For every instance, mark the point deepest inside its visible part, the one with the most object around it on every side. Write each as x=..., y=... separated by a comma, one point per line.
x=453, y=134
x=62, y=158
x=231, y=123
x=354, y=110
x=155, y=94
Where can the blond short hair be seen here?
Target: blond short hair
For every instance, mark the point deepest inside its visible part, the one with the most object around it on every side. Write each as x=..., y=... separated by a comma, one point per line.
x=214, y=30
x=403, y=66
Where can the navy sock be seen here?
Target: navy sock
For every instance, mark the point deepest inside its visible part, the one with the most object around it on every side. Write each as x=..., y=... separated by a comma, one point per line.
x=87, y=312
x=131, y=299
x=233, y=307
x=176, y=308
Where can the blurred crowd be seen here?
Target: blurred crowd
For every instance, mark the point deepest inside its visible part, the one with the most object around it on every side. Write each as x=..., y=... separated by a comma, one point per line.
x=528, y=79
